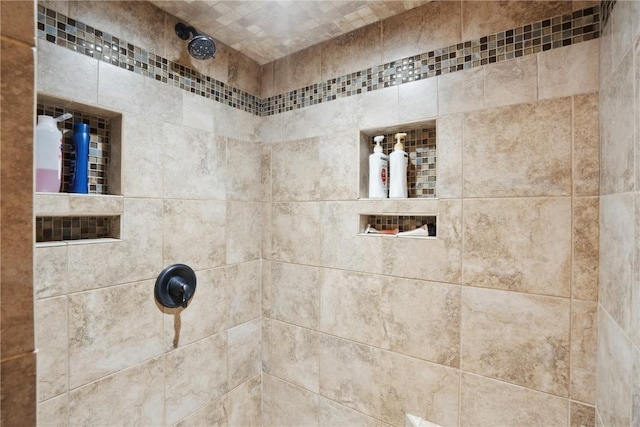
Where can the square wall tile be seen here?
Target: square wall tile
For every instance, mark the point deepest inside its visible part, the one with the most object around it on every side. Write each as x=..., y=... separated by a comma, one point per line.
x=284, y=404
x=293, y=355
x=245, y=159
x=194, y=164
x=535, y=136
x=294, y=233
x=244, y=358
x=296, y=170
x=415, y=387
x=137, y=392
x=489, y=402
x=243, y=231
x=194, y=233
x=511, y=82
x=243, y=405
x=351, y=374
x=243, y=290
x=191, y=380
x=480, y=18
x=350, y=305
x=295, y=294
x=126, y=320
x=422, y=29
x=518, y=338
x=569, y=70
x=521, y=244
x=421, y=319
x=461, y=91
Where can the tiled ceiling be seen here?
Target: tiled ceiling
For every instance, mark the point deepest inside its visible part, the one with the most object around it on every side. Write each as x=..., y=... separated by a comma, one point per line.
x=266, y=30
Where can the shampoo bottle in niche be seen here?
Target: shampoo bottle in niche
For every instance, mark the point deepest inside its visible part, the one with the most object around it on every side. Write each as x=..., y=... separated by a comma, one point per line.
x=80, y=178
x=378, y=171
x=49, y=153
x=399, y=161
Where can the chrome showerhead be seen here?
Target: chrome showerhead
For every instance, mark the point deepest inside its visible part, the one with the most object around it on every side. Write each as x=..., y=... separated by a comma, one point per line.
x=200, y=46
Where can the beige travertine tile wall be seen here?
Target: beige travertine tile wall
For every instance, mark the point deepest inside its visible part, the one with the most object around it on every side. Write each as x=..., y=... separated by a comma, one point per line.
x=191, y=184
x=17, y=355
x=493, y=323
x=618, y=370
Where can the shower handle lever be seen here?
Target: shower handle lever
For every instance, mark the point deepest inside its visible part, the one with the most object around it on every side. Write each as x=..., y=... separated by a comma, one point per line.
x=179, y=288
x=175, y=286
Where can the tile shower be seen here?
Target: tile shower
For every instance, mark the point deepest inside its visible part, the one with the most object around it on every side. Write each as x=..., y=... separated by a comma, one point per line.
x=303, y=321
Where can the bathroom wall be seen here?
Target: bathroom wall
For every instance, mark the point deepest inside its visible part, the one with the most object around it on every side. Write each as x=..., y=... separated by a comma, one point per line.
x=17, y=349
x=190, y=193
x=492, y=323
x=618, y=370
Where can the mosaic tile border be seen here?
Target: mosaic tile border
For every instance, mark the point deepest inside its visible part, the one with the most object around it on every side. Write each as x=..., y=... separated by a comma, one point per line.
x=402, y=222
x=546, y=34
x=58, y=229
x=99, y=147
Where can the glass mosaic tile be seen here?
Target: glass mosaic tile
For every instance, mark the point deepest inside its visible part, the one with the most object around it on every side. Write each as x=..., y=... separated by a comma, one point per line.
x=550, y=33
x=57, y=229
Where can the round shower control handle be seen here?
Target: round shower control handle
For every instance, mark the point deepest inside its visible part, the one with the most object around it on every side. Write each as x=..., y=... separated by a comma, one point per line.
x=175, y=286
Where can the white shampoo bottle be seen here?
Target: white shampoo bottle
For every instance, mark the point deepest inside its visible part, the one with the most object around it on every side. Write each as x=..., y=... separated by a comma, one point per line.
x=399, y=160
x=378, y=171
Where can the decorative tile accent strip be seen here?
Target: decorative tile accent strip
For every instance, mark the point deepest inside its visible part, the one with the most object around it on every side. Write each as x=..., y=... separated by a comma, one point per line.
x=606, y=7
x=67, y=32
x=552, y=33
x=57, y=229
x=402, y=223
x=99, y=147
x=420, y=144
x=529, y=39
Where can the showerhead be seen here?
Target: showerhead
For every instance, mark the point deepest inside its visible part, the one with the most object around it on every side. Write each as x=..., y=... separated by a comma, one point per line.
x=201, y=46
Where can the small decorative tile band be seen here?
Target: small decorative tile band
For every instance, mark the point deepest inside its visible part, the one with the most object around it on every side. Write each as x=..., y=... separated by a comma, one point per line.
x=420, y=145
x=552, y=33
x=606, y=7
x=555, y=32
x=57, y=229
x=99, y=147
x=402, y=222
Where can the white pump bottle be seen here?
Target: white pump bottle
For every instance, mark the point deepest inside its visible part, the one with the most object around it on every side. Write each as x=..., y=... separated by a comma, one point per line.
x=399, y=160
x=378, y=171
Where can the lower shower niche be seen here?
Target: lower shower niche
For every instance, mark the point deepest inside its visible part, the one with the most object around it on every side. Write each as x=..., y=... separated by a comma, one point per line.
x=81, y=228
x=409, y=226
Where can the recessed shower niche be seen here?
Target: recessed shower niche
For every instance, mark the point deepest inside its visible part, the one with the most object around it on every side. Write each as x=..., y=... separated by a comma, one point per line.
x=419, y=144
x=96, y=216
x=416, y=215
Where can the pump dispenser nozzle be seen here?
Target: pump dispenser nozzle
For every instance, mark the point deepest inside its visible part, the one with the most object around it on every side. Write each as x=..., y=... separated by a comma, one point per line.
x=399, y=137
x=378, y=139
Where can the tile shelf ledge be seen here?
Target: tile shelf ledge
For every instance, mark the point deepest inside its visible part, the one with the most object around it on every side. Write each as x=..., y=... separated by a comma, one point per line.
x=70, y=204
x=77, y=242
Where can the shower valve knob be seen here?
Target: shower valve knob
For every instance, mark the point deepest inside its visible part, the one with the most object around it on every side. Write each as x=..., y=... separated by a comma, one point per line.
x=175, y=286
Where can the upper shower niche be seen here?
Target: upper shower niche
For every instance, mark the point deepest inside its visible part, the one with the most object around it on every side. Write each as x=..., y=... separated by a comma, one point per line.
x=419, y=144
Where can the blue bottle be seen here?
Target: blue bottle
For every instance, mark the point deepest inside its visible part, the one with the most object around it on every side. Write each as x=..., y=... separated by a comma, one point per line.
x=80, y=177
